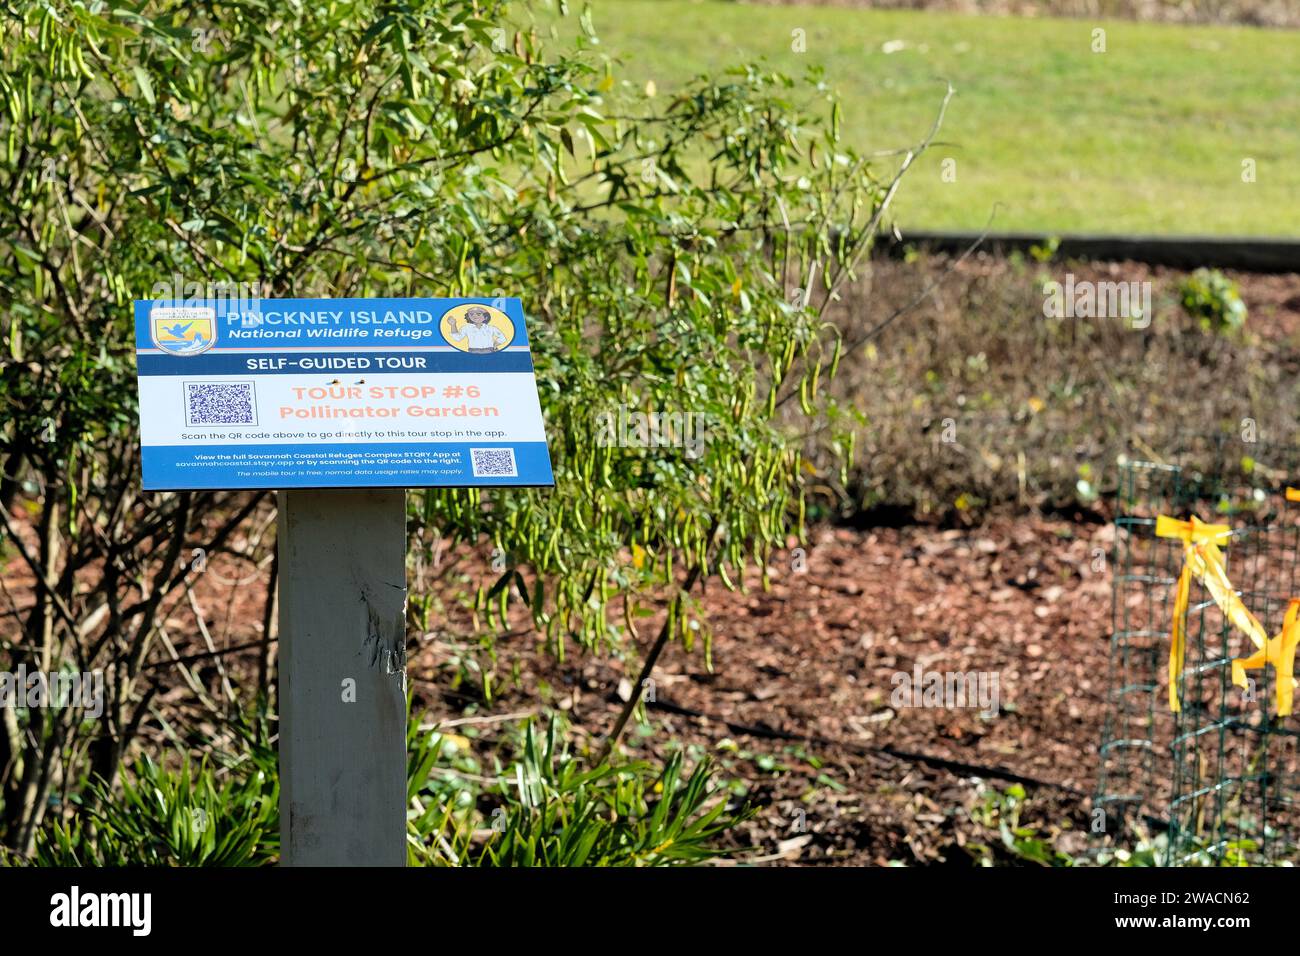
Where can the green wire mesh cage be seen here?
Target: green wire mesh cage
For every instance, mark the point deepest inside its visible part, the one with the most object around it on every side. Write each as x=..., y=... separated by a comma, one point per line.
x=1219, y=777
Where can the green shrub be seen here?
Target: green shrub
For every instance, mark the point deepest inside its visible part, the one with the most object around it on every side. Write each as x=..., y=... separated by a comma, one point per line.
x=1212, y=298
x=675, y=253
x=1000, y=811
x=550, y=810
x=221, y=810
x=542, y=807
x=193, y=816
x=1021, y=841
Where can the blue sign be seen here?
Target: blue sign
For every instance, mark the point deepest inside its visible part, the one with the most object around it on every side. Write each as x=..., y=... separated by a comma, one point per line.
x=337, y=393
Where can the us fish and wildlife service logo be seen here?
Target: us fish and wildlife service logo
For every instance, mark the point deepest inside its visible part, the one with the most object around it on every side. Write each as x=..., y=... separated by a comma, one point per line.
x=183, y=330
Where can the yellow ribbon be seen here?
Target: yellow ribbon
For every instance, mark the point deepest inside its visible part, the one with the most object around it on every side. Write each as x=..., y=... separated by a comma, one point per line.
x=1203, y=560
x=1280, y=652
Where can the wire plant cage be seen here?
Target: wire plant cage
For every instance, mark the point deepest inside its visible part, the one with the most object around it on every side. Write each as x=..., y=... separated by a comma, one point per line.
x=1220, y=774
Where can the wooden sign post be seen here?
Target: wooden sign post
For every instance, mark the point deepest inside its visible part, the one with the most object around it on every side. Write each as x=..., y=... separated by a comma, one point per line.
x=342, y=691
x=340, y=405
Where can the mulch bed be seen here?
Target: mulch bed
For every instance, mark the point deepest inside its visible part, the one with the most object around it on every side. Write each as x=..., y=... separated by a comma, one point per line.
x=798, y=703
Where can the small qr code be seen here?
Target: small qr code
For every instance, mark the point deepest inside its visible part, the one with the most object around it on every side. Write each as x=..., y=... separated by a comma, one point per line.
x=493, y=462
x=220, y=403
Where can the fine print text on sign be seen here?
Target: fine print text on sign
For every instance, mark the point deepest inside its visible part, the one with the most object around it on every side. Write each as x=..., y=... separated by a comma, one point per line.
x=337, y=393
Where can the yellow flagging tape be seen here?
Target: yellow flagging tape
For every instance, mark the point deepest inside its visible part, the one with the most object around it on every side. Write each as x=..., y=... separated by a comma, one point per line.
x=1178, y=639
x=1193, y=531
x=1202, y=560
x=1280, y=652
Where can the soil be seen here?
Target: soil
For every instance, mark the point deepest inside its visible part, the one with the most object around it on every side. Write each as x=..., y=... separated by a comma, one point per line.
x=799, y=704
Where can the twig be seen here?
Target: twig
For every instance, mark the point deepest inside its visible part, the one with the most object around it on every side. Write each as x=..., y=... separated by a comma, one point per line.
x=190, y=658
x=491, y=719
x=646, y=669
x=927, y=291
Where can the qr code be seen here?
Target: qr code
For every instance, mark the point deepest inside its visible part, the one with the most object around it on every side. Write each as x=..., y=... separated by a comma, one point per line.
x=220, y=403
x=493, y=462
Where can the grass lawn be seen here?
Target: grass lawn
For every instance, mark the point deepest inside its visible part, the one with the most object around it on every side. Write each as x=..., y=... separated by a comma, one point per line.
x=1148, y=136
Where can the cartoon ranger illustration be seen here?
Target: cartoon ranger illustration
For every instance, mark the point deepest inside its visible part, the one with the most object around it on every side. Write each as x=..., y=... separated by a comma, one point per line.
x=479, y=334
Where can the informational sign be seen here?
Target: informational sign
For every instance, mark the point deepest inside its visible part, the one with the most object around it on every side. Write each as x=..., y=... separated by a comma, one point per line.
x=337, y=393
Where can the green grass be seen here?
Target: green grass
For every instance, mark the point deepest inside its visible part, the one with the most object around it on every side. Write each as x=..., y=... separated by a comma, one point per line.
x=1146, y=137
